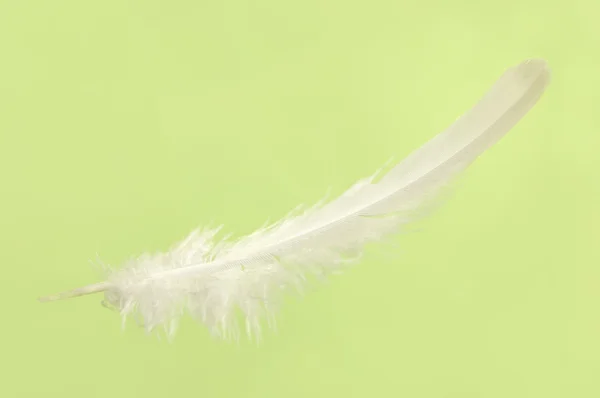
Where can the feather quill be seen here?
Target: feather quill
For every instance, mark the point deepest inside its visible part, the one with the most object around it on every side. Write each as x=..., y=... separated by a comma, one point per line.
x=213, y=278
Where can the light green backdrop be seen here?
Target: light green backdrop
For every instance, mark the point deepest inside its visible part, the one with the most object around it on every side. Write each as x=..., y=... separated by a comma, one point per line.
x=125, y=124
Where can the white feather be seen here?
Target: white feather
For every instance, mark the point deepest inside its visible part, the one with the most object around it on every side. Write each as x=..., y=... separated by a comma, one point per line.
x=212, y=278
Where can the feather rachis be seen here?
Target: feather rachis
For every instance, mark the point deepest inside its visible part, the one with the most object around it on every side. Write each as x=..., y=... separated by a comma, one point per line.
x=213, y=278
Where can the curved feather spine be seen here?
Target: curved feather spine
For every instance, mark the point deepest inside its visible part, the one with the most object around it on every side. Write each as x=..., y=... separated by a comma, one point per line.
x=212, y=278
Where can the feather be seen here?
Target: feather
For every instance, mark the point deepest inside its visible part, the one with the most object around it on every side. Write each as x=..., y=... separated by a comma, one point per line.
x=216, y=279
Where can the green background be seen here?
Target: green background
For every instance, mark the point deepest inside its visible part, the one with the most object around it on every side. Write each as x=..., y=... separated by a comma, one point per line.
x=125, y=124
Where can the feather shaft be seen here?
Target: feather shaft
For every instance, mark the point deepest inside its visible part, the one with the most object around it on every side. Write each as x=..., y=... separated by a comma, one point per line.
x=210, y=279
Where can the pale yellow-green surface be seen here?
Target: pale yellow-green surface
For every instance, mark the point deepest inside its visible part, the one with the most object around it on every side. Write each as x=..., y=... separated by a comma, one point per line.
x=125, y=124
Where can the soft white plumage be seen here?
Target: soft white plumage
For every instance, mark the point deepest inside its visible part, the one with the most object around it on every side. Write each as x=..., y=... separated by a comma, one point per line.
x=212, y=278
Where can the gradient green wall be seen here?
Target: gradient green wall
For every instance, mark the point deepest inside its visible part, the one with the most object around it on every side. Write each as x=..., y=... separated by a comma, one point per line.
x=125, y=124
